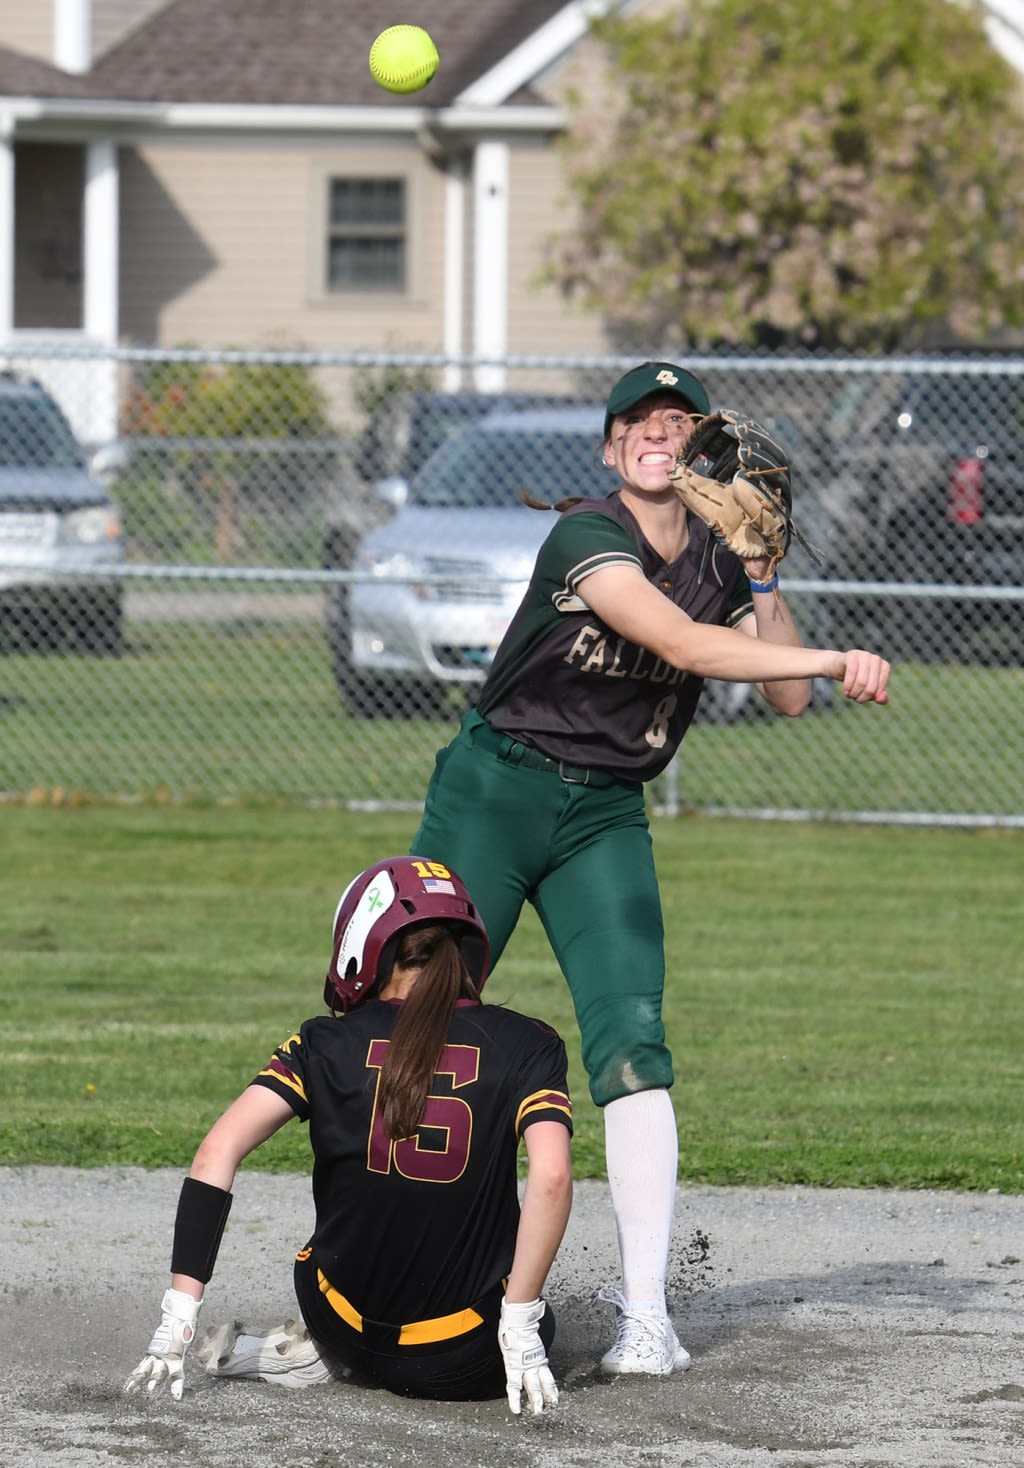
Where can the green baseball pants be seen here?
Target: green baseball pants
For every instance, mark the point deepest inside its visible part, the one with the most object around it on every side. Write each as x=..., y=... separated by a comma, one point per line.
x=581, y=854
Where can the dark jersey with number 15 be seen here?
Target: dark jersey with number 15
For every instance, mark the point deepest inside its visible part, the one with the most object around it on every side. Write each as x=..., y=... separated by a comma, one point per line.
x=424, y=1227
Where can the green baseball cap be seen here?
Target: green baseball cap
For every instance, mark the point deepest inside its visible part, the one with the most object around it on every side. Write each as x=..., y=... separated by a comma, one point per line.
x=652, y=377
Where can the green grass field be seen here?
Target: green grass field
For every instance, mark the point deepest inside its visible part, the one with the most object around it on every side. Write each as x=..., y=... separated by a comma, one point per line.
x=242, y=709
x=844, y=1003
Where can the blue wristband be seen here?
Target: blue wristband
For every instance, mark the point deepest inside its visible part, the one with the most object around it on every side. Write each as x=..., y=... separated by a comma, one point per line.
x=764, y=585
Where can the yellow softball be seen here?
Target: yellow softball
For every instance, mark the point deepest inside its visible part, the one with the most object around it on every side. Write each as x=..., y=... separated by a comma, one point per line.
x=403, y=58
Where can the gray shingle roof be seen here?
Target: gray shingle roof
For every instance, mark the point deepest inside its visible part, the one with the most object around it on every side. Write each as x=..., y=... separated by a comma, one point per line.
x=24, y=76
x=285, y=52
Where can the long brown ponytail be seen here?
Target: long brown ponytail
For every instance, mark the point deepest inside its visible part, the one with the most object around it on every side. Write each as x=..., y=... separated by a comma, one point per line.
x=421, y=1028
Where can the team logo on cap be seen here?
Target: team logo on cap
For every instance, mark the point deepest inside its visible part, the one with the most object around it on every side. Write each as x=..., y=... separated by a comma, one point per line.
x=668, y=378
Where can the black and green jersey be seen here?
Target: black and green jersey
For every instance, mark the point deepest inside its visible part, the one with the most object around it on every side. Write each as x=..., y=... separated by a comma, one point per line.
x=567, y=684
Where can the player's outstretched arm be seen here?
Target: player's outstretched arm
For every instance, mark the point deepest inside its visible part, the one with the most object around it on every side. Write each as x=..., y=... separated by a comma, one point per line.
x=203, y=1206
x=624, y=600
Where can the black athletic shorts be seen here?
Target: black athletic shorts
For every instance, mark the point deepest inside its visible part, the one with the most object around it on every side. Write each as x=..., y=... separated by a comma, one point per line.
x=460, y=1367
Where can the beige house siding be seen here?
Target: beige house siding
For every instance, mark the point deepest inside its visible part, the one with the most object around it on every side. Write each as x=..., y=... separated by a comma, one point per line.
x=541, y=320
x=27, y=26
x=468, y=258
x=113, y=19
x=221, y=244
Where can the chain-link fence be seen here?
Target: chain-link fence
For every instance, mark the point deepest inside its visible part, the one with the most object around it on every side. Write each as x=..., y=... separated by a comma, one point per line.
x=287, y=574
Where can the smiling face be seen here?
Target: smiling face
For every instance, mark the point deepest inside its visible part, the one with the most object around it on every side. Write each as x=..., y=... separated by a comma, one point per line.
x=643, y=441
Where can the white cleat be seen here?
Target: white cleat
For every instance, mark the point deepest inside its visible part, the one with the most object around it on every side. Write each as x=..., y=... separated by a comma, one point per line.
x=645, y=1345
x=286, y=1357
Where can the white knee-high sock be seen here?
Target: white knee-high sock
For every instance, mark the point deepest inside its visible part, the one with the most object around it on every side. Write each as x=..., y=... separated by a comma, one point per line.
x=642, y=1156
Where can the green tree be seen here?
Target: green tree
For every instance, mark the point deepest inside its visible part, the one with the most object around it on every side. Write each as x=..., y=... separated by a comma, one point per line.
x=843, y=175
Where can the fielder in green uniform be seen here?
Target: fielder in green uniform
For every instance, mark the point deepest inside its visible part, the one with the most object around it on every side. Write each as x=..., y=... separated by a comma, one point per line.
x=540, y=796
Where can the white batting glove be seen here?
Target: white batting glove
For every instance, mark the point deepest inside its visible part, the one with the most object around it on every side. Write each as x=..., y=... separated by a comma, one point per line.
x=165, y=1357
x=526, y=1360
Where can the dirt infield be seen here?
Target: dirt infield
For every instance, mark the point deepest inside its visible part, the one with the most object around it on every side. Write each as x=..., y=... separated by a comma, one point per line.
x=862, y=1329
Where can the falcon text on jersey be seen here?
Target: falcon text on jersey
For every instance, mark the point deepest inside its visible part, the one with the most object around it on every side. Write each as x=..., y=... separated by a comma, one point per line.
x=594, y=652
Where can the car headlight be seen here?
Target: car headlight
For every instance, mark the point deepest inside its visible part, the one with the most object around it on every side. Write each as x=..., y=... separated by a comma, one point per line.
x=93, y=526
x=388, y=564
x=397, y=566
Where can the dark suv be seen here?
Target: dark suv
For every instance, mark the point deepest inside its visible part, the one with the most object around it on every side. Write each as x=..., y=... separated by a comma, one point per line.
x=60, y=532
x=929, y=493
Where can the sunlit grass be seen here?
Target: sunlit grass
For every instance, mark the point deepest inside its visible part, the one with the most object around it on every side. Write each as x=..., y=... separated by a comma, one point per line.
x=843, y=1003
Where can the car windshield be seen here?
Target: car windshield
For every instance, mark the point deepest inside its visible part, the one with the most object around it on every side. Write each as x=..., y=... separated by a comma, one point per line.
x=489, y=467
x=936, y=405
x=991, y=407
x=34, y=435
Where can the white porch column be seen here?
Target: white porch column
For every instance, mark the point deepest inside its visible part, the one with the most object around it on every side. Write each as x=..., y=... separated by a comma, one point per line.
x=100, y=243
x=6, y=228
x=454, y=268
x=72, y=35
x=490, y=261
x=100, y=257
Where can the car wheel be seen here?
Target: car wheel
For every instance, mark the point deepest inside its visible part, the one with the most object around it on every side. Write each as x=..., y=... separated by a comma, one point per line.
x=914, y=631
x=366, y=698
x=97, y=627
x=372, y=698
x=27, y=629
x=354, y=694
x=989, y=633
x=358, y=696
x=822, y=694
x=422, y=701
x=725, y=703
x=362, y=700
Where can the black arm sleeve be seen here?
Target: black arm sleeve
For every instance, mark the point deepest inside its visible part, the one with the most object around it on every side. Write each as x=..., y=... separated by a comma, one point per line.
x=202, y=1213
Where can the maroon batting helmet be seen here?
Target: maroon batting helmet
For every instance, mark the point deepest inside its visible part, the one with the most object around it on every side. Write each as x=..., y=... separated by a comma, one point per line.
x=374, y=910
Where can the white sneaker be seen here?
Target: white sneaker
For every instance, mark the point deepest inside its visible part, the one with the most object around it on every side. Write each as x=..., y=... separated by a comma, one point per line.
x=286, y=1357
x=644, y=1344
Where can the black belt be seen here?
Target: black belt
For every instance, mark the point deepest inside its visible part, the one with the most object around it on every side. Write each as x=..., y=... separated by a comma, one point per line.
x=417, y=1333
x=513, y=752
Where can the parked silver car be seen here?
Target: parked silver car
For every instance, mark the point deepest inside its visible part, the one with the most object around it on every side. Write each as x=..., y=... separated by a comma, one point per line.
x=60, y=532
x=440, y=581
